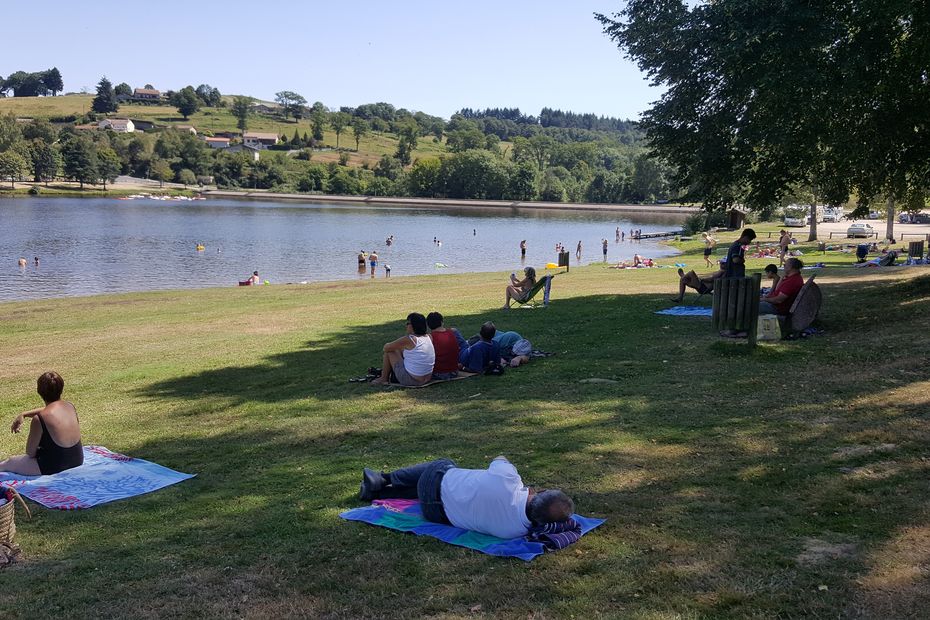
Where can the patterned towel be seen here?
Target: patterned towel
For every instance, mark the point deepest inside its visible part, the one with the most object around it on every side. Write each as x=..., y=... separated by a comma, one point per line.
x=104, y=477
x=687, y=311
x=404, y=515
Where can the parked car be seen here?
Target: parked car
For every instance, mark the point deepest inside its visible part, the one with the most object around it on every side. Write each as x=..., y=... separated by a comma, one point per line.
x=859, y=230
x=874, y=215
x=796, y=221
x=833, y=215
x=921, y=218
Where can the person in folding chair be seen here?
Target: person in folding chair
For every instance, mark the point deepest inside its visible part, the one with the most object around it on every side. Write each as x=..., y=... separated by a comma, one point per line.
x=519, y=290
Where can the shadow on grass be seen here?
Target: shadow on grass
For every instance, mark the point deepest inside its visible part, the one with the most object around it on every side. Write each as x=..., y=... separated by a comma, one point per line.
x=714, y=467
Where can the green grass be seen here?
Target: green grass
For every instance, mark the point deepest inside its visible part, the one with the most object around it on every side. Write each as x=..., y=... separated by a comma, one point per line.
x=371, y=148
x=716, y=467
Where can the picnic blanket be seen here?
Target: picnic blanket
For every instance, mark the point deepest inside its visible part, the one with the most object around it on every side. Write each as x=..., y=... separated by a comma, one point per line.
x=404, y=515
x=687, y=311
x=104, y=477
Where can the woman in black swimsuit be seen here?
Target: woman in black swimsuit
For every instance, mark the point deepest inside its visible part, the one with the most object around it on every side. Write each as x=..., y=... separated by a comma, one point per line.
x=53, y=426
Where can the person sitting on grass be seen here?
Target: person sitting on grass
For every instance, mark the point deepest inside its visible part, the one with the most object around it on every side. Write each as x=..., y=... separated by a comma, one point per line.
x=411, y=356
x=782, y=296
x=771, y=273
x=482, y=353
x=519, y=289
x=54, y=442
x=491, y=501
x=448, y=343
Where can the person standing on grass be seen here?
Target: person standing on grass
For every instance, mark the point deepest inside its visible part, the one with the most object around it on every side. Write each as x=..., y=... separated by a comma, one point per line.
x=735, y=266
x=783, y=242
x=54, y=442
x=491, y=501
x=709, y=244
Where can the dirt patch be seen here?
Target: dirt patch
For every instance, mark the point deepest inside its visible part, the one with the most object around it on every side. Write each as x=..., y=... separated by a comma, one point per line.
x=818, y=551
x=873, y=471
x=897, y=584
x=849, y=452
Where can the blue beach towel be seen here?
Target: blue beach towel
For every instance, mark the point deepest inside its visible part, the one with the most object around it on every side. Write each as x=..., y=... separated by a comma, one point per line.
x=405, y=516
x=687, y=311
x=104, y=477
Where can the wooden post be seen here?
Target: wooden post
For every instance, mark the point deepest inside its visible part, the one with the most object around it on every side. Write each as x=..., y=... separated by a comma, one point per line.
x=754, y=309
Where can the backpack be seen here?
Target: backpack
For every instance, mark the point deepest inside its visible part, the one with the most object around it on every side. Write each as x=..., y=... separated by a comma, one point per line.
x=494, y=368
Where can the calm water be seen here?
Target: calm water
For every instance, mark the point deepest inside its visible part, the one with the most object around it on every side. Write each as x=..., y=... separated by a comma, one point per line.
x=89, y=245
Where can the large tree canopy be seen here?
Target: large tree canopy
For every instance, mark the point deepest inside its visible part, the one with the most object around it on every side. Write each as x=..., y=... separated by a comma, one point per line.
x=763, y=95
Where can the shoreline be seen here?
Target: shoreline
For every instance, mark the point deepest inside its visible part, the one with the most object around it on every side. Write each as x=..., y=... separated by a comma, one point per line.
x=456, y=203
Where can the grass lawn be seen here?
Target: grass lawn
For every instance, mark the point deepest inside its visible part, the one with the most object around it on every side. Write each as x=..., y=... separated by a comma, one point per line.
x=371, y=147
x=784, y=482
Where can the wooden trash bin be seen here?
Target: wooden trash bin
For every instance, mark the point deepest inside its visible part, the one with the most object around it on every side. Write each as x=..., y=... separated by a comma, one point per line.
x=915, y=250
x=564, y=260
x=736, y=305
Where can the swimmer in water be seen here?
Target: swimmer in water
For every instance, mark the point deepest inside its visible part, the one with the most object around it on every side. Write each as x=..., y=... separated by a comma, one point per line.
x=21, y=262
x=36, y=259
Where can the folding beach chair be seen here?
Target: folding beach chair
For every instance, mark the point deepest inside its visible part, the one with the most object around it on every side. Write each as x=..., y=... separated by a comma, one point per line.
x=544, y=284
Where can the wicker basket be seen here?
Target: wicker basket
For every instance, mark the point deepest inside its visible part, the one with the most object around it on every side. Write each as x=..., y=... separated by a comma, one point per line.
x=8, y=515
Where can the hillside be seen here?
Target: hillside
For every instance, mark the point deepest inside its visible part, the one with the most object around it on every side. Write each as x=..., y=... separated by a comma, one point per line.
x=212, y=120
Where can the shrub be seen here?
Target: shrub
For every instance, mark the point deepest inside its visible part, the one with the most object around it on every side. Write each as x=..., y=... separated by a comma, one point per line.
x=699, y=222
x=34, y=190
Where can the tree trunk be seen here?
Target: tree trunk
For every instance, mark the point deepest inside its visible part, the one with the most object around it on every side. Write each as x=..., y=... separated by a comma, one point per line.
x=889, y=225
x=812, y=236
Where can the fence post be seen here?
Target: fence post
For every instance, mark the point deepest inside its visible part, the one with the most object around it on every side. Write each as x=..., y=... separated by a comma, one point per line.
x=754, y=309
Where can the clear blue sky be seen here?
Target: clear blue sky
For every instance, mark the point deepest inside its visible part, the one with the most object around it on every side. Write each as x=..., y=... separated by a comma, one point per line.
x=431, y=56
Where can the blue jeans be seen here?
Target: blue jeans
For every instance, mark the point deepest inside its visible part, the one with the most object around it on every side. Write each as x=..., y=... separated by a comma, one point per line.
x=767, y=308
x=425, y=480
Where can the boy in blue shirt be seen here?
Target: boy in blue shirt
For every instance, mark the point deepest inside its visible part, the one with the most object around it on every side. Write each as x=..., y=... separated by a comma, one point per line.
x=480, y=355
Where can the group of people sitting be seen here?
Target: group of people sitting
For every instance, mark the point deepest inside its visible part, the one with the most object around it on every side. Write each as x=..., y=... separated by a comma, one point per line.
x=430, y=351
x=777, y=300
x=637, y=263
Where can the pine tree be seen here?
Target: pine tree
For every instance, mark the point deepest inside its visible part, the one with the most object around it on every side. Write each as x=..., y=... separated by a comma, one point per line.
x=105, y=101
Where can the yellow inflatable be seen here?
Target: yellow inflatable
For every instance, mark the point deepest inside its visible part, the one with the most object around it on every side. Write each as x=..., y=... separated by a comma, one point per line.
x=200, y=248
x=551, y=266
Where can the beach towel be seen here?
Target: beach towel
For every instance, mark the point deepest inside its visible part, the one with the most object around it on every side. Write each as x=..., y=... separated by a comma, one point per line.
x=687, y=311
x=404, y=515
x=104, y=477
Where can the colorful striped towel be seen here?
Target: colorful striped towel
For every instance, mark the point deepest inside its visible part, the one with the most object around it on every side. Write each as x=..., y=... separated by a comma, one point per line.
x=404, y=515
x=687, y=311
x=104, y=477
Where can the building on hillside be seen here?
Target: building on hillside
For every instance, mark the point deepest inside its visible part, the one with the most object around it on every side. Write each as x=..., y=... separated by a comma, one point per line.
x=254, y=153
x=217, y=143
x=258, y=140
x=146, y=94
x=188, y=128
x=266, y=108
x=232, y=135
x=142, y=125
x=119, y=125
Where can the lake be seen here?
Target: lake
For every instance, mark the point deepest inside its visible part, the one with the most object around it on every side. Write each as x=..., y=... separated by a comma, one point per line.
x=88, y=246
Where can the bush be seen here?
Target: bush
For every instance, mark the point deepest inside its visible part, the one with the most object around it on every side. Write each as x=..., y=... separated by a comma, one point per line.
x=699, y=222
x=34, y=190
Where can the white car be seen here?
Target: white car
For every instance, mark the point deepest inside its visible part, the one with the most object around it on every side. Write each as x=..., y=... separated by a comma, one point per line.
x=796, y=221
x=859, y=230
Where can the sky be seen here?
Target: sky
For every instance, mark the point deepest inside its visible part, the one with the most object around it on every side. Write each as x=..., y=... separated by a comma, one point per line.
x=436, y=57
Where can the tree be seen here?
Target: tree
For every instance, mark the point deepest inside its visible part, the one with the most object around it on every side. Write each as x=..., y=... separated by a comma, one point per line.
x=108, y=165
x=289, y=101
x=52, y=81
x=407, y=142
x=209, y=96
x=186, y=101
x=318, y=120
x=752, y=109
x=123, y=90
x=162, y=171
x=241, y=108
x=12, y=166
x=79, y=156
x=10, y=131
x=105, y=101
x=360, y=129
x=338, y=121
x=187, y=177
x=46, y=162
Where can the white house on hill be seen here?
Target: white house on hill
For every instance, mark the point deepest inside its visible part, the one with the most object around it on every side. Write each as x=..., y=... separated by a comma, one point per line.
x=119, y=125
x=258, y=140
x=217, y=143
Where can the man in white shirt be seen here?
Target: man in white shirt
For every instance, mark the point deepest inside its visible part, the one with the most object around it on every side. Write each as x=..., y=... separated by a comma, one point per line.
x=491, y=501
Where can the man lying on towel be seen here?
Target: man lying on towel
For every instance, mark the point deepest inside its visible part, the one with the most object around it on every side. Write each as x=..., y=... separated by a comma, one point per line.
x=491, y=501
